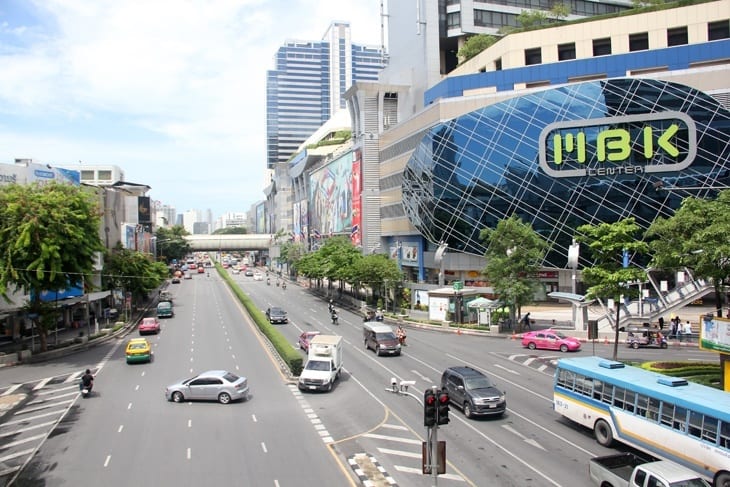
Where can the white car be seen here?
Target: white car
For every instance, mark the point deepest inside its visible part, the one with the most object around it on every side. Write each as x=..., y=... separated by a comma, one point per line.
x=257, y=276
x=236, y=270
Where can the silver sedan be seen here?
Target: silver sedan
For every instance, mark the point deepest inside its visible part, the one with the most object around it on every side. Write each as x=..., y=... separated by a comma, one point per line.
x=213, y=385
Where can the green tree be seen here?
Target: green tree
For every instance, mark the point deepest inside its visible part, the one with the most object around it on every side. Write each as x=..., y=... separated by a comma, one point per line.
x=474, y=45
x=231, y=231
x=695, y=237
x=560, y=11
x=133, y=272
x=48, y=237
x=171, y=243
x=377, y=272
x=607, y=277
x=338, y=254
x=528, y=19
x=290, y=253
x=514, y=254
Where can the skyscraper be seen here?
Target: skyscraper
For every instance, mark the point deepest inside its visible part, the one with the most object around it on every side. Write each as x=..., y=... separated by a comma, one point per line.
x=307, y=86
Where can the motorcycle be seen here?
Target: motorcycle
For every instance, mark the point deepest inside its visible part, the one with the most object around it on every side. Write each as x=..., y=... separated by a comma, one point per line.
x=335, y=319
x=85, y=390
x=283, y=286
x=268, y=282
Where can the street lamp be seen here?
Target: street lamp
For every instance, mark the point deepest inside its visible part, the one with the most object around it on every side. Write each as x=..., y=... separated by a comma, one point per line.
x=439, y=259
x=573, y=254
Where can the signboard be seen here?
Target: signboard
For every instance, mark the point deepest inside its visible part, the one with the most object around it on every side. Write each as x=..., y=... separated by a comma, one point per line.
x=715, y=333
x=458, y=285
x=437, y=308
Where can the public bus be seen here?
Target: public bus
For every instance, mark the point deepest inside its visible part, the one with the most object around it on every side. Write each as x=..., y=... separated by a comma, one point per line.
x=667, y=417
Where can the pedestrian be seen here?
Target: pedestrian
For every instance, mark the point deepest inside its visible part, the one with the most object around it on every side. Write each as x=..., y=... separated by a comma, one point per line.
x=674, y=329
x=687, y=331
x=526, y=321
x=661, y=323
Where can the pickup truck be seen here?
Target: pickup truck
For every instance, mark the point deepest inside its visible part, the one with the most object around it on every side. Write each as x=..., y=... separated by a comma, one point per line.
x=630, y=470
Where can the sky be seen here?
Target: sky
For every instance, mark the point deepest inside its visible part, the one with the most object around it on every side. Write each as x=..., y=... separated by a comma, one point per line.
x=171, y=91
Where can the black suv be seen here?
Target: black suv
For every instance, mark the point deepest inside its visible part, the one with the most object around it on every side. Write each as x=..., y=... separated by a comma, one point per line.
x=276, y=315
x=473, y=392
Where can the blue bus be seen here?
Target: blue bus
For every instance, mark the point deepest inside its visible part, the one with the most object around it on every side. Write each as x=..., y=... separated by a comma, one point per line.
x=664, y=416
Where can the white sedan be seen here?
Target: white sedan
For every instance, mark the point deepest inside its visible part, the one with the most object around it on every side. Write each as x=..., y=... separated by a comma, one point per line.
x=257, y=276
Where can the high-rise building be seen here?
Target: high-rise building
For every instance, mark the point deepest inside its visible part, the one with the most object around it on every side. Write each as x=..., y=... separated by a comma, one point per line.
x=307, y=86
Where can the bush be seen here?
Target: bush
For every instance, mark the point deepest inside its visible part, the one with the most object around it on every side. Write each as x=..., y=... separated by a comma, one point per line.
x=705, y=373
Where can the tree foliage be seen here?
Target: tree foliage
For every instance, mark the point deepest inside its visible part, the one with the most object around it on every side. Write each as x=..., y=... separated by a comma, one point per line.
x=49, y=235
x=474, y=45
x=171, y=243
x=514, y=255
x=133, y=272
x=528, y=19
x=607, y=277
x=695, y=237
x=231, y=231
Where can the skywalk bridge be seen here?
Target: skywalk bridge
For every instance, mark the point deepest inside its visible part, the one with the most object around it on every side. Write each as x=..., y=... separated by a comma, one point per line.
x=229, y=242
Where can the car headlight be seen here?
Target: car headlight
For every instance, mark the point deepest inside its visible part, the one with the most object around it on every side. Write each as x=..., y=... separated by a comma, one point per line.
x=502, y=398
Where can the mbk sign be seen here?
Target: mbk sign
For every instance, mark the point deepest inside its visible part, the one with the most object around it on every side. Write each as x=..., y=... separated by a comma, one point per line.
x=632, y=144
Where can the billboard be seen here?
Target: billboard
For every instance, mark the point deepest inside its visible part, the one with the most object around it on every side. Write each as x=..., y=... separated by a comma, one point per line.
x=330, y=197
x=715, y=333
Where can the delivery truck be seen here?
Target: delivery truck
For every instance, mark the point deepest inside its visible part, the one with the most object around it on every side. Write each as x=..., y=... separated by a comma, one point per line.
x=324, y=363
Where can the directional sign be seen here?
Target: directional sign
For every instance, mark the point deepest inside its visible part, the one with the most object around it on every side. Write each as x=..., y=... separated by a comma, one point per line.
x=458, y=285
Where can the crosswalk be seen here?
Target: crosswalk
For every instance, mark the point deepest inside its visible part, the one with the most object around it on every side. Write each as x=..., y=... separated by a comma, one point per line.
x=29, y=414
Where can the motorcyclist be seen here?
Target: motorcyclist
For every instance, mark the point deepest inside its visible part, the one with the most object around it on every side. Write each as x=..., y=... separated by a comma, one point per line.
x=379, y=315
x=330, y=306
x=333, y=315
x=87, y=381
x=283, y=285
x=401, y=334
x=268, y=281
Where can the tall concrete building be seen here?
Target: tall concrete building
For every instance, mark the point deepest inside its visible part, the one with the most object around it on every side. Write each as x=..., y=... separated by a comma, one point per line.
x=308, y=84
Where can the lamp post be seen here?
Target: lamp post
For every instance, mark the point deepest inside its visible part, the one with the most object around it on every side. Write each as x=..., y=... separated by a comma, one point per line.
x=439, y=259
x=573, y=254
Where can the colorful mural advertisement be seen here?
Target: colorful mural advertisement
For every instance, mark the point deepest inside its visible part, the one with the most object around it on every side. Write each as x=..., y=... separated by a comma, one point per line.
x=261, y=219
x=330, y=197
x=356, y=232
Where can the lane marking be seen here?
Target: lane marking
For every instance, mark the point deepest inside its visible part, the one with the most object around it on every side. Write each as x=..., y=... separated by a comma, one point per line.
x=107, y=460
x=399, y=453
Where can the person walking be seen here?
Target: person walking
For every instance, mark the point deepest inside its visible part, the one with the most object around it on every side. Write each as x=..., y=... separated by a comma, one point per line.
x=687, y=331
x=675, y=329
x=526, y=321
x=661, y=323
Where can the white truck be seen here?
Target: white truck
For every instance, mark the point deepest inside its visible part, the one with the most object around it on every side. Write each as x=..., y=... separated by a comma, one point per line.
x=630, y=470
x=324, y=363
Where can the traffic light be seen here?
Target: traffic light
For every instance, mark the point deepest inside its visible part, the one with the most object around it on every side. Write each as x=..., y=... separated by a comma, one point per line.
x=443, y=407
x=429, y=408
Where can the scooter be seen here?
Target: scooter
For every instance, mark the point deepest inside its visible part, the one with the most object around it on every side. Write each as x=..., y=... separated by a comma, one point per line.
x=86, y=390
x=283, y=286
x=335, y=319
x=268, y=282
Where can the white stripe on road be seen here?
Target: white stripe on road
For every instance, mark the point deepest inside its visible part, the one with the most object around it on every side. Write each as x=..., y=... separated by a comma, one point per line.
x=23, y=430
x=42, y=383
x=24, y=440
x=12, y=389
x=418, y=471
x=393, y=438
x=31, y=418
x=401, y=453
x=16, y=455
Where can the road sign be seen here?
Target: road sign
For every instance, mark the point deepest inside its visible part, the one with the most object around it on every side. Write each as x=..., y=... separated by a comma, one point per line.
x=458, y=285
x=441, y=458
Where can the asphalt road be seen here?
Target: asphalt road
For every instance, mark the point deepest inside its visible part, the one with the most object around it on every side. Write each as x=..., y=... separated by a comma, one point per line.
x=128, y=434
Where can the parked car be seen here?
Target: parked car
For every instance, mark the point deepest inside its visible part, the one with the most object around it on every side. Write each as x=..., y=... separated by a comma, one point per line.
x=276, y=315
x=149, y=325
x=305, y=338
x=138, y=350
x=550, y=340
x=213, y=385
x=473, y=392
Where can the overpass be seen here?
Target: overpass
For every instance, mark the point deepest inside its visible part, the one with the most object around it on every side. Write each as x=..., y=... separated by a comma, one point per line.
x=229, y=242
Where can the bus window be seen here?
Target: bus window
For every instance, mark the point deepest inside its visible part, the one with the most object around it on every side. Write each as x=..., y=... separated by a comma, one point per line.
x=725, y=434
x=597, y=390
x=709, y=429
x=642, y=403
x=667, y=414
x=566, y=379
x=695, y=424
x=653, y=412
x=630, y=401
x=680, y=419
x=618, y=397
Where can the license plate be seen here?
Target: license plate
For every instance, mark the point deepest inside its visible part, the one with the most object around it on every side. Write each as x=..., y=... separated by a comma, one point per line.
x=313, y=387
x=491, y=406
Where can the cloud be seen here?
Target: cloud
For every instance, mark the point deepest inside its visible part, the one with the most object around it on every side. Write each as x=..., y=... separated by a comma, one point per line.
x=157, y=85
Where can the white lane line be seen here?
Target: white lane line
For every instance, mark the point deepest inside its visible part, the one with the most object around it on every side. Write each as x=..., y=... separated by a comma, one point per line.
x=30, y=418
x=73, y=377
x=189, y=454
x=514, y=372
x=23, y=430
x=449, y=476
x=24, y=440
x=401, y=453
x=107, y=460
x=136, y=388
x=253, y=417
x=47, y=406
x=263, y=447
x=121, y=427
x=42, y=383
x=394, y=427
x=129, y=406
x=190, y=423
x=16, y=455
x=398, y=439
x=12, y=389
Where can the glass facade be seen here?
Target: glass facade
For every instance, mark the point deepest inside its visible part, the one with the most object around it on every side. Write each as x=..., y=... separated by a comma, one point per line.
x=590, y=152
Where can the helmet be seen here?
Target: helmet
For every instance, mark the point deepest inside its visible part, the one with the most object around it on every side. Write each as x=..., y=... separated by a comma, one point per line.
x=88, y=371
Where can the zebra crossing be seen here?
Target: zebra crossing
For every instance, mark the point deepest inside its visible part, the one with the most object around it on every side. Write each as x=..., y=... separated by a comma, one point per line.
x=29, y=412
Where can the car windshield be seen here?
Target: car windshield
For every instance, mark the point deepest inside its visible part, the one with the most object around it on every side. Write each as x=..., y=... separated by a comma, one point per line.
x=385, y=336
x=317, y=365
x=137, y=346
x=560, y=335
x=477, y=383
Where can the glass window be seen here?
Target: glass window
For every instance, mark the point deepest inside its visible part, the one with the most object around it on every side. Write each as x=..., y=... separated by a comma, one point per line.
x=639, y=42
x=642, y=403
x=709, y=429
x=533, y=56
x=695, y=424
x=566, y=51
x=725, y=435
x=677, y=36
x=718, y=30
x=105, y=175
x=566, y=379
x=602, y=47
x=453, y=20
x=618, y=397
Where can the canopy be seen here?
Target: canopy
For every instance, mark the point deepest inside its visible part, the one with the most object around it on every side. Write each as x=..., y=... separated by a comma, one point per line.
x=484, y=303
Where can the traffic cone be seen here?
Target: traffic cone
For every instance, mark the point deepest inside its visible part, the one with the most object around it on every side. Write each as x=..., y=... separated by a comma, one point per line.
x=458, y=331
x=513, y=337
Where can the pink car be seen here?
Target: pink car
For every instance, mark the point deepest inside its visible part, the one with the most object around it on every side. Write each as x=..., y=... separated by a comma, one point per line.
x=149, y=325
x=305, y=338
x=550, y=340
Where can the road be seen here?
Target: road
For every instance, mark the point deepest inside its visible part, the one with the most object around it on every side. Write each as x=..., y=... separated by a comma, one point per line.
x=281, y=436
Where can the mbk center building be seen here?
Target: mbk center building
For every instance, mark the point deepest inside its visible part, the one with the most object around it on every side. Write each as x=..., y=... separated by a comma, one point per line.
x=560, y=143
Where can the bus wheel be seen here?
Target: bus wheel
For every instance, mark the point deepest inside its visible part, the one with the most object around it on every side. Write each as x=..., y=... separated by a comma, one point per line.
x=723, y=480
x=603, y=434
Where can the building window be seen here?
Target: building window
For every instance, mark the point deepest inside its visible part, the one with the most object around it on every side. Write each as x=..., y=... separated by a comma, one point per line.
x=602, y=47
x=718, y=30
x=639, y=42
x=87, y=175
x=453, y=20
x=498, y=64
x=533, y=56
x=566, y=51
x=105, y=175
x=677, y=36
